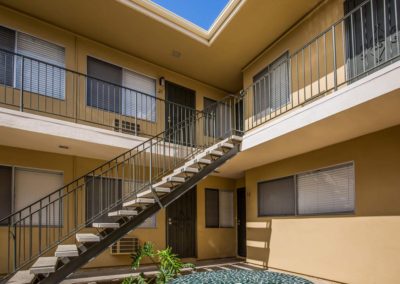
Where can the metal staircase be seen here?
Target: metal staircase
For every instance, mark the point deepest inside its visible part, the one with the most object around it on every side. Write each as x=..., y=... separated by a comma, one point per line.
x=53, y=237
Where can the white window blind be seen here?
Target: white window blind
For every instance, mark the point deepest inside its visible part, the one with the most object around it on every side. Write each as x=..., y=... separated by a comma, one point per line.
x=326, y=191
x=271, y=87
x=39, y=77
x=226, y=208
x=30, y=185
x=139, y=99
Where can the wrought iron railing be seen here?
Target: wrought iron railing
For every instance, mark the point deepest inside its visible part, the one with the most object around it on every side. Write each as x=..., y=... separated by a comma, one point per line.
x=39, y=87
x=360, y=43
x=38, y=228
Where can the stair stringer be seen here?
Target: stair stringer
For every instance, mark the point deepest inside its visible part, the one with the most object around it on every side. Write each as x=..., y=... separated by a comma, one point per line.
x=112, y=236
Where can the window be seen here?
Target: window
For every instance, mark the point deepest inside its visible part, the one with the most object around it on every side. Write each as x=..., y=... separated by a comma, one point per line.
x=218, y=119
x=276, y=197
x=219, y=208
x=101, y=193
x=271, y=87
x=324, y=191
x=5, y=192
x=139, y=100
x=41, y=70
x=371, y=32
x=42, y=183
x=105, y=91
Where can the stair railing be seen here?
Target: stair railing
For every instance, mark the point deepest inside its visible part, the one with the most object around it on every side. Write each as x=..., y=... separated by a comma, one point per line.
x=39, y=227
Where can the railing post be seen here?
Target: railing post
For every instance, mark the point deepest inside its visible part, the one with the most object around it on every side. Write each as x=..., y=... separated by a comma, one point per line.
x=334, y=57
x=21, y=99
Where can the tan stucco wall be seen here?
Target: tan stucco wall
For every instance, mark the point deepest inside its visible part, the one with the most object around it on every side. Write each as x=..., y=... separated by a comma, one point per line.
x=211, y=243
x=359, y=248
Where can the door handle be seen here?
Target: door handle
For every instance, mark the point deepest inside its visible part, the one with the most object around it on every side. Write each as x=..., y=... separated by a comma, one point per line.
x=169, y=221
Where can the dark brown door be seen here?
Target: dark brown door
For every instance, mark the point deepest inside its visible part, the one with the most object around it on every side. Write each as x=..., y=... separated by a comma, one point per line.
x=180, y=107
x=241, y=222
x=181, y=225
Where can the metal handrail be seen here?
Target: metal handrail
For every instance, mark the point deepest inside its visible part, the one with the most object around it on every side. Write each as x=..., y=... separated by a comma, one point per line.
x=38, y=85
x=54, y=218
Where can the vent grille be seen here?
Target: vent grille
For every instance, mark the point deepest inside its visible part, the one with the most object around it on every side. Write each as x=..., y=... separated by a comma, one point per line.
x=126, y=127
x=127, y=245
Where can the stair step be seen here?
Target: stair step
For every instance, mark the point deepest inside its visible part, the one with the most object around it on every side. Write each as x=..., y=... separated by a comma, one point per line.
x=140, y=201
x=44, y=265
x=186, y=170
x=236, y=138
x=216, y=153
x=22, y=277
x=105, y=225
x=169, y=181
x=158, y=190
x=123, y=213
x=87, y=238
x=66, y=251
x=227, y=145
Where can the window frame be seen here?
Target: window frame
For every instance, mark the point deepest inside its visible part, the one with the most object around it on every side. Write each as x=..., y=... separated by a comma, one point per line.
x=153, y=118
x=295, y=176
x=218, y=208
x=19, y=59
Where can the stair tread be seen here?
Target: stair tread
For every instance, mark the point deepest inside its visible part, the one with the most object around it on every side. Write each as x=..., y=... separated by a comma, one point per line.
x=138, y=202
x=66, y=251
x=87, y=237
x=123, y=213
x=45, y=264
x=22, y=277
x=148, y=191
x=105, y=225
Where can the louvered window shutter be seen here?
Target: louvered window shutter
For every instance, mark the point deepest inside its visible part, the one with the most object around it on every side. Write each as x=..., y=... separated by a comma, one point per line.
x=139, y=99
x=326, y=191
x=42, y=66
x=7, y=42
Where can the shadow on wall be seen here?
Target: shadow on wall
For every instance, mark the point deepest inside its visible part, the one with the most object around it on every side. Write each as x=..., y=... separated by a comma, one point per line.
x=258, y=242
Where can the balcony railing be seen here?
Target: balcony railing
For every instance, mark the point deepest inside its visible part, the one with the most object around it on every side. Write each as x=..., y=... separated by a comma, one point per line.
x=364, y=40
x=38, y=87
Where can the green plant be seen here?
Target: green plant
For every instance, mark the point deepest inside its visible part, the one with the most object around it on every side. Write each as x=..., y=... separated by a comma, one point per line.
x=168, y=264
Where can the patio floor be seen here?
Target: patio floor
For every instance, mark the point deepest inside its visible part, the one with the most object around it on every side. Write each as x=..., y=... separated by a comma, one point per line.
x=115, y=274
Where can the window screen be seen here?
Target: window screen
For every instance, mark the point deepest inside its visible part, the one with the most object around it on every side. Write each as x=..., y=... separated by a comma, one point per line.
x=139, y=100
x=149, y=223
x=5, y=192
x=7, y=42
x=326, y=191
x=100, y=93
x=271, y=87
x=212, y=208
x=210, y=108
x=276, y=197
x=40, y=77
x=225, y=209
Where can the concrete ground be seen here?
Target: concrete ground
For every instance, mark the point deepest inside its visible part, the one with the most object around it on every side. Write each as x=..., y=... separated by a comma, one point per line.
x=113, y=275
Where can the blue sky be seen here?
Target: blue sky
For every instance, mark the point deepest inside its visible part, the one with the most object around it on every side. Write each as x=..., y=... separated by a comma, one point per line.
x=200, y=12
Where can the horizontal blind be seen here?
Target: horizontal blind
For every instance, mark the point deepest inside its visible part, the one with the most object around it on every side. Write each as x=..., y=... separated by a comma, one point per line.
x=40, y=77
x=139, y=100
x=30, y=185
x=279, y=82
x=225, y=209
x=100, y=93
x=212, y=211
x=276, y=197
x=326, y=191
x=7, y=42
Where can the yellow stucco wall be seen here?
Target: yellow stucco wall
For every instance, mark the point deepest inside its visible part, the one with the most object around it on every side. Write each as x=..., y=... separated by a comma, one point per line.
x=359, y=248
x=211, y=243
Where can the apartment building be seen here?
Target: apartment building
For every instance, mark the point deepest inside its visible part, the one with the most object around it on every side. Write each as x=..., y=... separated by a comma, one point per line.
x=274, y=136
